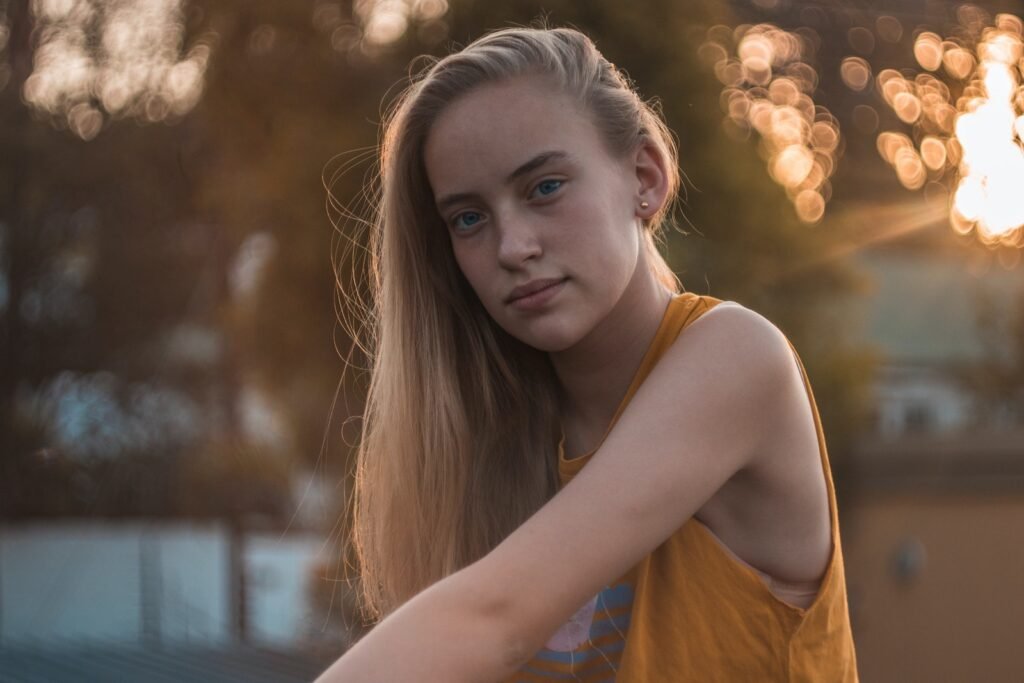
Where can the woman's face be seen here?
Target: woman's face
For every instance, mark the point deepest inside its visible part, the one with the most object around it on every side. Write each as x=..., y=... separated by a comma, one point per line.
x=531, y=196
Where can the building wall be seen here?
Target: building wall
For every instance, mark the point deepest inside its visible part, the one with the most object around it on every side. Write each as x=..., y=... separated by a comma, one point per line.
x=936, y=585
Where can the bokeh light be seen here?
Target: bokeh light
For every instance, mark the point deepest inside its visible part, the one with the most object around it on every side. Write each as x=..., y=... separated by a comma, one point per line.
x=768, y=84
x=855, y=72
x=928, y=50
x=384, y=22
x=958, y=62
x=966, y=132
x=865, y=118
x=861, y=39
x=889, y=28
x=933, y=153
x=115, y=58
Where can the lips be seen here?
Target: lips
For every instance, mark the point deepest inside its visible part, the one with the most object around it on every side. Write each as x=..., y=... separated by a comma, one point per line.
x=532, y=287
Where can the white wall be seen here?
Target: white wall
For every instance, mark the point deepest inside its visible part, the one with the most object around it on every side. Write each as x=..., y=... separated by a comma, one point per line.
x=192, y=583
x=279, y=571
x=69, y=582
x=907, y=396
x=133, y=582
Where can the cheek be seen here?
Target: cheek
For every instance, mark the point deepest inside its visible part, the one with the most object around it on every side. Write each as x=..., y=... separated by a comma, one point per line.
x=608, y=243
x=473, y=268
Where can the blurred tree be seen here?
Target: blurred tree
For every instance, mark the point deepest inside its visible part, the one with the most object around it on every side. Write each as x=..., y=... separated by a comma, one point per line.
x=280, y=102
x=66, y=314
x=996, y=379
x=112, y=363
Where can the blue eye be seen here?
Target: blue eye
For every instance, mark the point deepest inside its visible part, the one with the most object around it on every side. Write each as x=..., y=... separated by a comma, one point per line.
x=466, y=219
x=549, y=186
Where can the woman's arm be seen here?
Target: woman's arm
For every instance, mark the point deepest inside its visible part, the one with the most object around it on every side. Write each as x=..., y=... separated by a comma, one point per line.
x=709, y=409
x=452, y=632
x=703, y=415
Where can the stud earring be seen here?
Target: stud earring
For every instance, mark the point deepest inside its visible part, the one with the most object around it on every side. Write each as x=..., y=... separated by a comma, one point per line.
x=644, y=205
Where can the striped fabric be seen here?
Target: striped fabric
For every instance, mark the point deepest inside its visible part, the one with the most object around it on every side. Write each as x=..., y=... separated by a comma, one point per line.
x=589, y=646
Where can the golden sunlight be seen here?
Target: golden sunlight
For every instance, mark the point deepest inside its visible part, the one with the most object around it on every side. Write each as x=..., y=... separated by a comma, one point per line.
x=992, y=164
x=972, y=141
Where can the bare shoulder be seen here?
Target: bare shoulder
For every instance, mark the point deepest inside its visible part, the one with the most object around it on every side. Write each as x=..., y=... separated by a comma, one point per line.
x=775, y=516
x=736, y=317
x=737, y=341
x=749, y=348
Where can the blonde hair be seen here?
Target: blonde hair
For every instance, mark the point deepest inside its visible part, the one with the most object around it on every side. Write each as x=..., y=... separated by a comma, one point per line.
x=460, y=431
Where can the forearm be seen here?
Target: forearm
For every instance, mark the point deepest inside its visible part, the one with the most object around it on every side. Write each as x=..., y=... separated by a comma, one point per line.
x=452, y=632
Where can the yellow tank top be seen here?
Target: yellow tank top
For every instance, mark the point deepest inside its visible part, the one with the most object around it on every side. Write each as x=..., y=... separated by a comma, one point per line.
x=694, y=611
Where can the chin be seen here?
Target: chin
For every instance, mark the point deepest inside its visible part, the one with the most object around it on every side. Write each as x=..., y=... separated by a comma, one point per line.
x=553, y=347
x=551, y=341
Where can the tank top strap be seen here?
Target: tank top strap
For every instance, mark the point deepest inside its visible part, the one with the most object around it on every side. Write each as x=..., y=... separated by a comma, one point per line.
x=682, y=310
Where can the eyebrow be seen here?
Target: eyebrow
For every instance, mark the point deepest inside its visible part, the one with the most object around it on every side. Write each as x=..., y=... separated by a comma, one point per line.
x=531, y=165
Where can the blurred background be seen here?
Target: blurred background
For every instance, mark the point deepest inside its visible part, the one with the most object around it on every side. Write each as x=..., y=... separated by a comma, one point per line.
x=179, y=401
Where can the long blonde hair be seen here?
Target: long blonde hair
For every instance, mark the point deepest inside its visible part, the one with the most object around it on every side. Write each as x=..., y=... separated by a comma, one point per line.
x=461, y=427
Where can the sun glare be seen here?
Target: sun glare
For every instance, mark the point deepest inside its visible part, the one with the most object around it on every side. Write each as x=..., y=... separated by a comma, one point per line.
x=966, y=118
x=963, y=111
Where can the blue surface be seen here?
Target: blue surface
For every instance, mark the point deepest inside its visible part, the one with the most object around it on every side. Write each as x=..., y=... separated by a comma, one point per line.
x=100, y=664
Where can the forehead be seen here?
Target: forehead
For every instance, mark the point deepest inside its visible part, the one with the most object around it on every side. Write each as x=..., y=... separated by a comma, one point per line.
x=494, y=128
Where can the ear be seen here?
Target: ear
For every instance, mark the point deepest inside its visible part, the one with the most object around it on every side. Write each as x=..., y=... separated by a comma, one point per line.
x=652, y=179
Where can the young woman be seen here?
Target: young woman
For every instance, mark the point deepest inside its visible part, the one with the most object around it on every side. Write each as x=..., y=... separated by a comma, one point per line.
x=570, y=469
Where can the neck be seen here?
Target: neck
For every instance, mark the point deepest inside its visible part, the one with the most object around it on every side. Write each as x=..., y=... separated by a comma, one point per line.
x=595, y=373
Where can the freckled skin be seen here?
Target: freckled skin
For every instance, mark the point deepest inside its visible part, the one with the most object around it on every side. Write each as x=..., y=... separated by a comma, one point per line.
x=573, y=217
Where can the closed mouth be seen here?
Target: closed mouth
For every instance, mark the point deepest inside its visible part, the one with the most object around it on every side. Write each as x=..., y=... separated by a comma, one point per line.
x=523, y=295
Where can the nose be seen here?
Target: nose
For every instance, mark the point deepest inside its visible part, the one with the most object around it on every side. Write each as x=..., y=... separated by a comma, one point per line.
x=518, y=241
